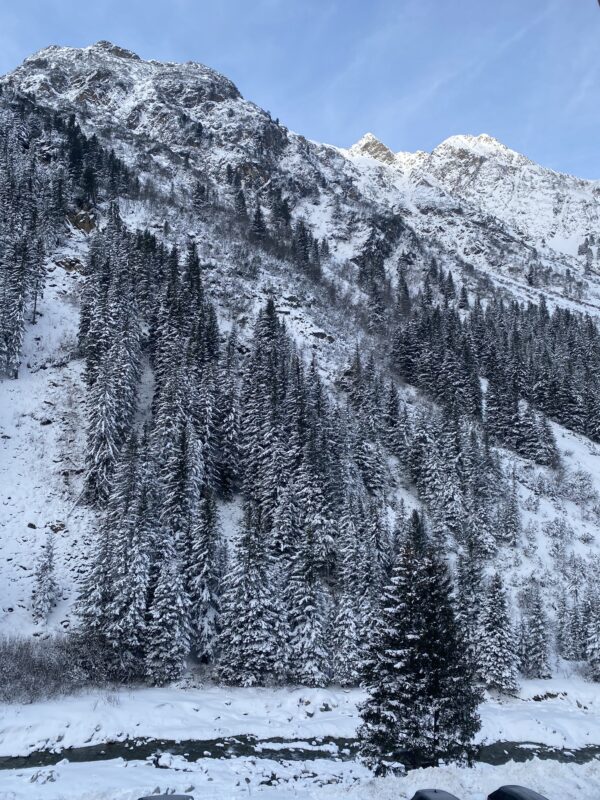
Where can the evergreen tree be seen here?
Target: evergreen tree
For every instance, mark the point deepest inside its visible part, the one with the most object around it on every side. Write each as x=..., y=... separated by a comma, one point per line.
x=469, y=603
x=346, y=652
x=251, y=643
x=204, y=579
x=497, y=656
x=168, y=637
x=534, y=636
x=592, y=644
x=258, y=228
x=308, y=659
x=126, y=628
x=422, y=699
x=45, y=591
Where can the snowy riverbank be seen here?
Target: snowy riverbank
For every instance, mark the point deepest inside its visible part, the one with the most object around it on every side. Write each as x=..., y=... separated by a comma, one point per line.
x=210, y=779
x=562, y=713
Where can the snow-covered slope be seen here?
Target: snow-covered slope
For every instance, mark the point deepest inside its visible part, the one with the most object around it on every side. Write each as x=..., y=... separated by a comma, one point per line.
x=42, y=429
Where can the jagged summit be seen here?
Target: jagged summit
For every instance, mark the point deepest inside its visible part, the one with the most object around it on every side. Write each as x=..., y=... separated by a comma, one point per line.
x=370, y=145
x=101, y=48
x=482, y=146
x=483, y=142
x=105, y=72
x=115, y=50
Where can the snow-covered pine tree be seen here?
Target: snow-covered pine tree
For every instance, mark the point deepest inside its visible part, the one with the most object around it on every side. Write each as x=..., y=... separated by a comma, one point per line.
x=104, y=434
x=469, y=599
x=206, y=421
x=97, y=587
x=182, y=479
x=422, y=699
x=258, y=227
x=450, y=676
x=497, y=657
x=315, y=512
x=307, y=657
x=346, y=653
x=168, y=632
x=477, y=531
x=534, y=645
x=592, y=644
x=126, y=628
x=45, y=588
x=205, y=578
x=229, y=422
x=372, y=567
x=13, y=305
x=393, y=712
x=252, y=643
x=509, y=518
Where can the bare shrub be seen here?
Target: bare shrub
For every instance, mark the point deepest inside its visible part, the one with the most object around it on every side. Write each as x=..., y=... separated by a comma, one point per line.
x=33, y=669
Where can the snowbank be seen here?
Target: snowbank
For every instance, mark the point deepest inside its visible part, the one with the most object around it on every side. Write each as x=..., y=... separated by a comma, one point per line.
x=228, y=779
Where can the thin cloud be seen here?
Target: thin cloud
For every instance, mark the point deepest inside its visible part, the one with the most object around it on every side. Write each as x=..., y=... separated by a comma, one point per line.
x=468, y=71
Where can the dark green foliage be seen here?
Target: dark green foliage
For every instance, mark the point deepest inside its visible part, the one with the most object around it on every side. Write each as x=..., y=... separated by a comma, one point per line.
x=422, y=701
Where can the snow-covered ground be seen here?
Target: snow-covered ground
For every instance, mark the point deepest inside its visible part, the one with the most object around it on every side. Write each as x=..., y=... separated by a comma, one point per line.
x=226, y=779
x=42, y=427
x=562, y=713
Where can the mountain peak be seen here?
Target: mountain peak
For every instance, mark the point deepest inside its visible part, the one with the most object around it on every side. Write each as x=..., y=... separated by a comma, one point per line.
x=369, y=145
x=118, y=83
x=482, y=144
x=115, y=50
x=99, y=48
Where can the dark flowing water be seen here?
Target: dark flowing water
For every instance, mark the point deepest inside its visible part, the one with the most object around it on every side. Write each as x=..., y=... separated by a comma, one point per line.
x=193, y=749
x=276, y=749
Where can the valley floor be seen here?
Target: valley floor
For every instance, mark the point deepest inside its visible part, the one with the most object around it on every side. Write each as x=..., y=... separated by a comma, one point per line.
x=559, y=713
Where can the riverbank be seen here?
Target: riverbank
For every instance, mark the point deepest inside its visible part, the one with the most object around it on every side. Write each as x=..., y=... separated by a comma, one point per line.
x=233, y=779
x=228, y=742
x=560, y=713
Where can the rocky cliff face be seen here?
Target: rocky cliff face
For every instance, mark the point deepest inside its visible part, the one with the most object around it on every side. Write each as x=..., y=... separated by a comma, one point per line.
x=169, y=120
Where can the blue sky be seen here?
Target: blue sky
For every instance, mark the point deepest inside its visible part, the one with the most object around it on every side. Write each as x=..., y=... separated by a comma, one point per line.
x=411, y=71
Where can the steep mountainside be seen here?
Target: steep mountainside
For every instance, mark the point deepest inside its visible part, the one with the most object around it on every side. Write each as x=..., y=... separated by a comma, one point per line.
x=227, y=336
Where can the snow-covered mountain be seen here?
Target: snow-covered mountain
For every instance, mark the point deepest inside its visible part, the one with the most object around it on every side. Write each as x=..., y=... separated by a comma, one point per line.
x=149, y=214
x=543, y=206
x=472, y=206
